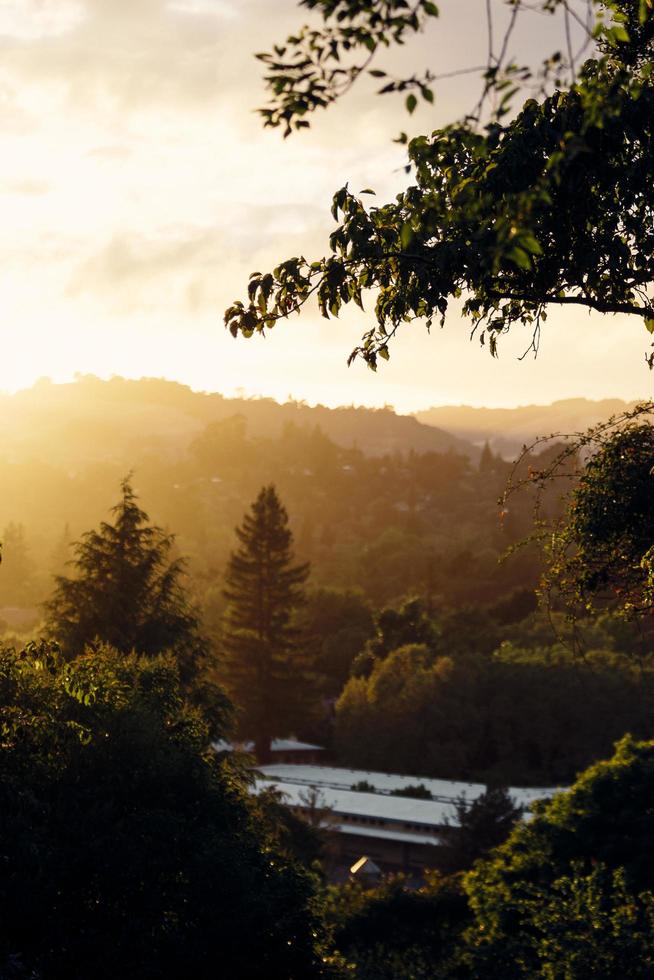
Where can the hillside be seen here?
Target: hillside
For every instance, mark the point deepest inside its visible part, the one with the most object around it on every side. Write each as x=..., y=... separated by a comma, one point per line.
x=507, y=430
x=377, y=501
x=99, y=420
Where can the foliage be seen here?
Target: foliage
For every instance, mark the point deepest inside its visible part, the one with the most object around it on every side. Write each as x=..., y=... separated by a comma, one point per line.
x=363, y=786
x=518, y=211
x=570, y=892
x=480, y=826
x=127, y=592
x=414, y=791
x=260, y=643
x=295, y=837
x=397, y=933
x=128, y=849
x=336, y=623
x=394, y=628
x=602, y=551
x=498, y=718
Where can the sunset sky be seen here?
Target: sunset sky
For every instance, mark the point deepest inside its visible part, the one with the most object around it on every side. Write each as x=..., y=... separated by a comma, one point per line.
x=138, y=191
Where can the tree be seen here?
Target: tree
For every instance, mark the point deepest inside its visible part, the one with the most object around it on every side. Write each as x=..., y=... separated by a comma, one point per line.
x=517, y=211
x=337, y=624
x=480, y=826
x=128, y=592
x=395, y=931
x=263, y=662
x=128, y=849
x=571, y=892
x=602, y=551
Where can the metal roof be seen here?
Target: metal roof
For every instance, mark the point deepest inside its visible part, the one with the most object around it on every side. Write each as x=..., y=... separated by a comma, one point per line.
x=339, y=778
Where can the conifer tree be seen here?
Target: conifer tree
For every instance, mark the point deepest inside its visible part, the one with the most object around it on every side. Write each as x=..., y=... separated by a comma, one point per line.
x=127, y=592
x=264, y=662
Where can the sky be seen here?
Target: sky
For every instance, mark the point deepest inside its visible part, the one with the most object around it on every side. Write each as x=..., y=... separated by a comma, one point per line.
x=138, y=191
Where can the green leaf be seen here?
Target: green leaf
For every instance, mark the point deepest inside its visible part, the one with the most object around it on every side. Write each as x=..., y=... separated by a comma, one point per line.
x=519, y=257
x=649, y=324
x=406, y=235
x=411, y=102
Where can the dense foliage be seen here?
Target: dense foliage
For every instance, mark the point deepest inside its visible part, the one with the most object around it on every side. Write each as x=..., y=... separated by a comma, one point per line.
x=128, y=850
x=516, y=211
x=602, y=551
x=571, y=892
x=490, y=703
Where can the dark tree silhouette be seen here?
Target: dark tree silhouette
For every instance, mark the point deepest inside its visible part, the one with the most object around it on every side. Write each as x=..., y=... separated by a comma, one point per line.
x=127, y=592
x=128, y=850
x=264, y=660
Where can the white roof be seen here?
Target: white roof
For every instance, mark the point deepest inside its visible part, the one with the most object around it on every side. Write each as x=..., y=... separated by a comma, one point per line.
x=332, y=777
x=379, y=834
x=277, y=745
x=346, y=802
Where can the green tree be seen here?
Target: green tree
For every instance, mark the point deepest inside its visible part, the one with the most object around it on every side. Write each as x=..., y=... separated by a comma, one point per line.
x=517, y=211
x=571, y=892
x=264, y=657
x=337, y=624
x=396, y=932
x=128, y=592
x=128, y=849
x=410, y=623
x=601, y=553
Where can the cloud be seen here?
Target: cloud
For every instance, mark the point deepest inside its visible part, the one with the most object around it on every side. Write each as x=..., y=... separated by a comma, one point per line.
x=193, y=268
x=30, y=188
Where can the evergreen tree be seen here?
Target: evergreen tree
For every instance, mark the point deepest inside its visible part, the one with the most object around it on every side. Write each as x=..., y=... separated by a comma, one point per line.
x=127, y=592
x=480, y=826
x=263, y=656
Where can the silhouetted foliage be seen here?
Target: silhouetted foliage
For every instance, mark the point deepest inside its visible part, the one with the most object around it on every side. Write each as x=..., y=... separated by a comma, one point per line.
x=516, y=210
x=128, y=592
x=602, y=552
x=128, y=849
x=264, y=658
x=497, y=718
x=480, y=826
x=394, y=932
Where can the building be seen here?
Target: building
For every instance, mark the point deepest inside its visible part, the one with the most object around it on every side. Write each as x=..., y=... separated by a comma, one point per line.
x=398, y=833
x=284, y=751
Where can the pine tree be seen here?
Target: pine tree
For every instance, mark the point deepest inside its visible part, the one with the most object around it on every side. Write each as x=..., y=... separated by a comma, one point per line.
x=264, y=662
x=127, y=592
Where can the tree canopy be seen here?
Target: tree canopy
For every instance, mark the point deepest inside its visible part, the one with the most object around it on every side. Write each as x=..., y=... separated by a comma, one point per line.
x=128, y=849
x=602, y=552
x=127, y=591
x=571, y=891
x=512, y=211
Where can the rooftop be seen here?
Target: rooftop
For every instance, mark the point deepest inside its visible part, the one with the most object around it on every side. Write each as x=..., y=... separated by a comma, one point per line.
x=442, y=790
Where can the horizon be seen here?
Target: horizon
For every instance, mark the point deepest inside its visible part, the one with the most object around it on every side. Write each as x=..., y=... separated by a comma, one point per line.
x=242, y=395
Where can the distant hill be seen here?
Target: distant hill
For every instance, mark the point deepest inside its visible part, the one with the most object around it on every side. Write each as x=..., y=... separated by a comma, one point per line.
x=91, y=419
x=508, y=429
